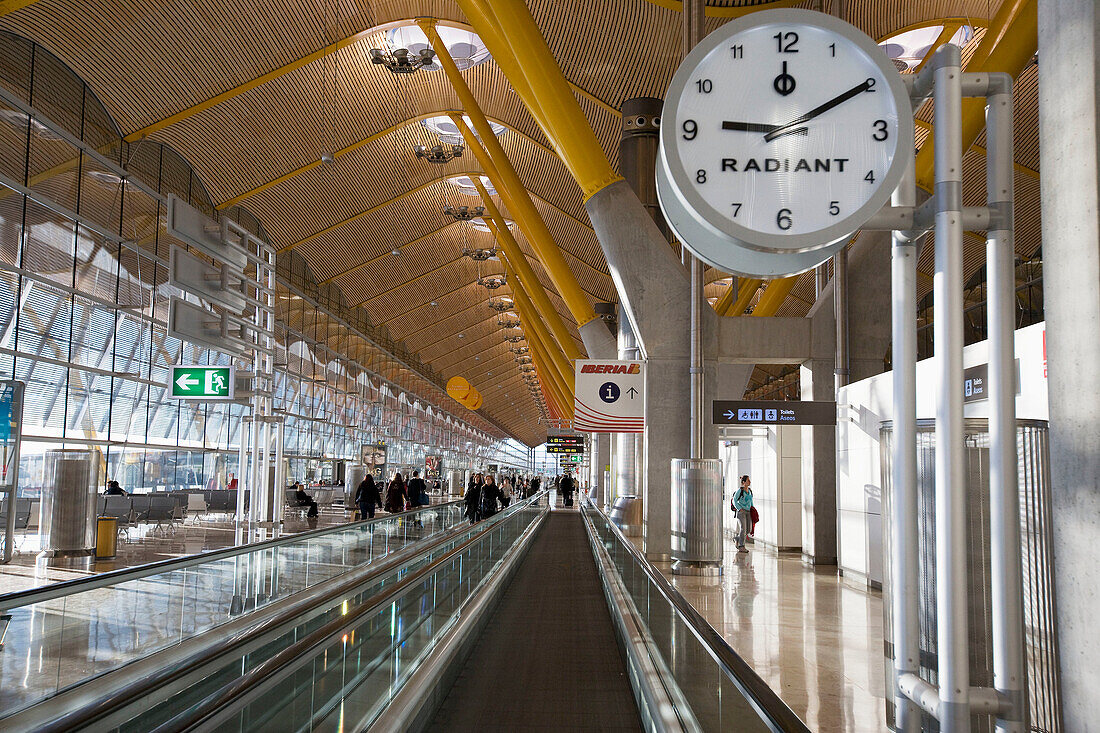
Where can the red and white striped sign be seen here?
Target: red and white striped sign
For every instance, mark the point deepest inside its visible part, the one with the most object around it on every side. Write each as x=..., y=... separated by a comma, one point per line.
x=610, y=396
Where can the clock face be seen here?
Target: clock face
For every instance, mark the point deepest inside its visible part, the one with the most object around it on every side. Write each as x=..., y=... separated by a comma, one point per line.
x=786, y=131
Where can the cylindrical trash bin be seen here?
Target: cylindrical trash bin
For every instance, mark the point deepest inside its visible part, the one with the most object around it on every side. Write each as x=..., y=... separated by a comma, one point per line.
x=106, y=538
x=696, y=516
x=67, y=516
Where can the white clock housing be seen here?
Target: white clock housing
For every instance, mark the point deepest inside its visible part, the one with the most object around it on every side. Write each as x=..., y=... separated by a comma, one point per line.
x=782, y=133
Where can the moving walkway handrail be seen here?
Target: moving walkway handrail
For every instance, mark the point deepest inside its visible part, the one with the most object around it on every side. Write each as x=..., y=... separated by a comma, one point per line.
x=99, y=699
x=751, y=685
x=31, y=596
x=200, y=715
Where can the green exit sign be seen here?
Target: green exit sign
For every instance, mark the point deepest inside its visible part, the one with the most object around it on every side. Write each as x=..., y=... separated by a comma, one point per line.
x=202, y=383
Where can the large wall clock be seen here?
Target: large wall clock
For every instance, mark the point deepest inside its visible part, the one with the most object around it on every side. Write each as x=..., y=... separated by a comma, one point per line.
x=782, y=133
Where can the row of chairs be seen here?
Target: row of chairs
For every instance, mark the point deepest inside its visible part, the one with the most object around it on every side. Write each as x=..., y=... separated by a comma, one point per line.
x=159, y=509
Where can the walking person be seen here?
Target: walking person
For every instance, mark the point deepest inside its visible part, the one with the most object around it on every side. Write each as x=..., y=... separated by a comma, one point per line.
x=566, y=486
x=473, y=499
x=367, y=497
x=418, y=490
x=742, y=505
x=397, y=495
x=505, y=492
x=490, y=494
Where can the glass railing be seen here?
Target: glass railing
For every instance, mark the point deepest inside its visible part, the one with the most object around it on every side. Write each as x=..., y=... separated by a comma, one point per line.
x=719, y=690
x=334, y=668
x=64, y=634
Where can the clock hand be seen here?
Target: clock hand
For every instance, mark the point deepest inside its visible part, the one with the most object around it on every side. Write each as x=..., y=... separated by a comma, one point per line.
x=820, y=109
x=755, y=127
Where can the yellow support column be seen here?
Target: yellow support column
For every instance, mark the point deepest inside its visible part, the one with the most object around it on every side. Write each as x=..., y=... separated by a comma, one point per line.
x=745, y=290
x=543, y=306
x=535, y=329
x=552, y=103
x=774, y=295
x=547, y=375
x=519, y=202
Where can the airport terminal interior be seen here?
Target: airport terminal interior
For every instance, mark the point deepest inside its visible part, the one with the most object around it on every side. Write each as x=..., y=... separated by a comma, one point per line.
x=463, y=365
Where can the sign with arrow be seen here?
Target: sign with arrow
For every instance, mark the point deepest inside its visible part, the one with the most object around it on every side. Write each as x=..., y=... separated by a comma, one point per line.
x=772, y=412
x=610, y=396
x=190, y=382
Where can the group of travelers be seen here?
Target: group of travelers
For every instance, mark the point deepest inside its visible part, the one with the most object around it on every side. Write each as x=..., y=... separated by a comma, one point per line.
x=401, y=495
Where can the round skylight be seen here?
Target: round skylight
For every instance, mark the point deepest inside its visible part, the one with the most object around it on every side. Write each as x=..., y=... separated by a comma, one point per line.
x=466, y=185
x=479, y=224
x=448, y=132
x=465, y=47
x=908, y=49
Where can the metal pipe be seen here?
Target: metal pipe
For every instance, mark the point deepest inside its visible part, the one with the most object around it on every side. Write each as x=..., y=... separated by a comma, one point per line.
x=280, y=471
x=841, y=371
x=1004, y=515
x=693, y=26
x=952, y=642
x=905, y=550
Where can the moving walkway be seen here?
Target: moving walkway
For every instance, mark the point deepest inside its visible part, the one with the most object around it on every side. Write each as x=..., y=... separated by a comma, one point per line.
x=532, y=617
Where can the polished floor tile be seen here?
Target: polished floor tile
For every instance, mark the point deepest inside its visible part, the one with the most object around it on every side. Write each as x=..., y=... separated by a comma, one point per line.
x=814, y=637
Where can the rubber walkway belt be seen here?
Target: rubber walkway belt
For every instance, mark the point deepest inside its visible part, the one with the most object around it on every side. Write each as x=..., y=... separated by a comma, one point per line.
x=548, y=657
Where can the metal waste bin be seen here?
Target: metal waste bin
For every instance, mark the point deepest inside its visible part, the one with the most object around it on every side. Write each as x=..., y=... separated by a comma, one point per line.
x=106, y=538
x=696, y=516
x=67, y=516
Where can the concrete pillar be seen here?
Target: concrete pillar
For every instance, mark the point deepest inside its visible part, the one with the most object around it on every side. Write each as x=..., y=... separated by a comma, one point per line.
x=1069, y=85
x=819, y=528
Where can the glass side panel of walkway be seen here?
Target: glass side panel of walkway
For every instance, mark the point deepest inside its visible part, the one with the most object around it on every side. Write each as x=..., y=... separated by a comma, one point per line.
x=533, y=619
x=66, y=633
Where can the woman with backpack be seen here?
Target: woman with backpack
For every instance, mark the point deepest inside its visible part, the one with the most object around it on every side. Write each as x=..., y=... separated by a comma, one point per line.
x=741, y=503
x=397, y=496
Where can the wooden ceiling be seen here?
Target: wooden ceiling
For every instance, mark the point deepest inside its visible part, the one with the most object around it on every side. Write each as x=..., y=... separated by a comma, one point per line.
x=243, y=90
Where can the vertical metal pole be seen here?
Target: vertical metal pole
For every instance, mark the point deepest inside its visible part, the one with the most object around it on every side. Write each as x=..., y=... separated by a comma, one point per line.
x=693, y=20
x=1004, y=515
x=952, y=642
x=16, y=426
x=841, y=370
x=905, y=593
x=242, y=459
x=280, y=472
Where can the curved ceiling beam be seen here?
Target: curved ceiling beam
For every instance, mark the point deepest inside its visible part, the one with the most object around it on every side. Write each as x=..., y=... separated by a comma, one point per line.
x=374, y=259
x=419, y=277
x=361, y=143
x=7, y=7
x=10, y=6
x=425, y=304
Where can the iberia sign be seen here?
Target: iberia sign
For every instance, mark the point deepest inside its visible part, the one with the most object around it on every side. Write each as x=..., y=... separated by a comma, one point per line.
x=202, y=383
x=610, y=396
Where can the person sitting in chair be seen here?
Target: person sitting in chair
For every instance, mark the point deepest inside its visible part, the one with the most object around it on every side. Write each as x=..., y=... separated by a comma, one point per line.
x=304, y=499
x=113, y=489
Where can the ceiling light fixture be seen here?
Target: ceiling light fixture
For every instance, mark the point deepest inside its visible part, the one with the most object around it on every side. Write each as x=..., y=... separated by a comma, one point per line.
x=438, y=154
x=492, y=282
x=480, y=255
x=501, y=304
x=465, y=47
x=463, y=213
x=401, y=61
